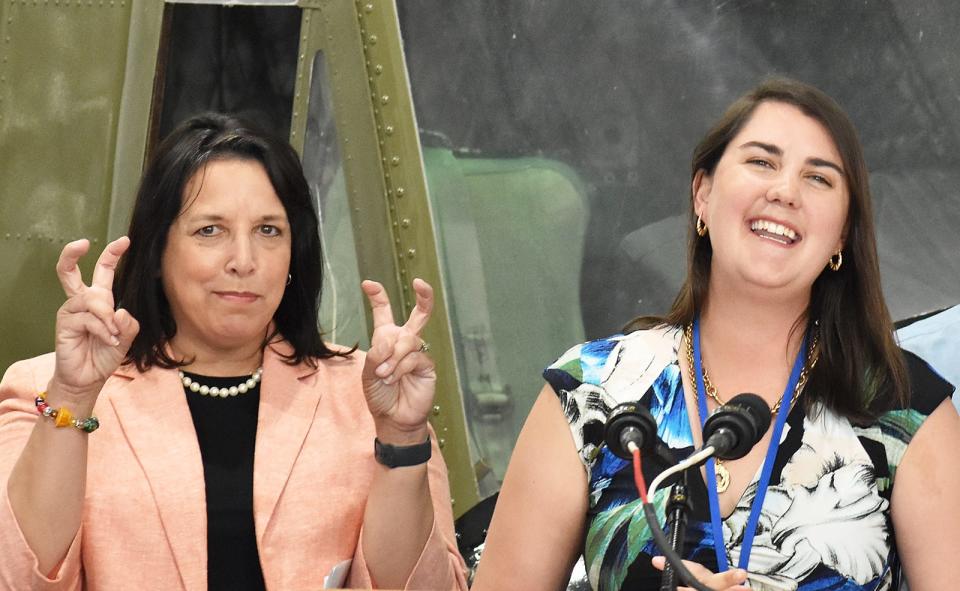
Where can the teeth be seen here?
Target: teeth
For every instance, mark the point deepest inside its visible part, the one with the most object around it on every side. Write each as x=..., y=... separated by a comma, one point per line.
x=773, y=228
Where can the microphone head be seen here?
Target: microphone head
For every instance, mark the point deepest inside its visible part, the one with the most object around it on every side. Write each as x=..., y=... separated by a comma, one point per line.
x=630, y=421
x=743, y=421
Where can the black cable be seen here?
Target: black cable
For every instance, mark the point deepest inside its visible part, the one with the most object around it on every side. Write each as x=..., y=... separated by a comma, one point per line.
x=677, y=508
x=672, y=557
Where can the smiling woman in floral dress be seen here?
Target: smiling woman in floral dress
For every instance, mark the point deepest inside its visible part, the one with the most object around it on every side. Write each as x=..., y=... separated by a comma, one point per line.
x=858, y=482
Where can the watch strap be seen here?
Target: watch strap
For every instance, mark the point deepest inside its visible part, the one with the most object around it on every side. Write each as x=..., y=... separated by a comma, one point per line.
x=397, y=456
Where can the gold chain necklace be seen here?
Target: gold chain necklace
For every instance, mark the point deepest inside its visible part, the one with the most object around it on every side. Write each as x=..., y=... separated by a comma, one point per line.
x=723, y=475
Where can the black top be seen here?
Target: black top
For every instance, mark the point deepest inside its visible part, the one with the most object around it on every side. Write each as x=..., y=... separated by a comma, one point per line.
x=227, y=430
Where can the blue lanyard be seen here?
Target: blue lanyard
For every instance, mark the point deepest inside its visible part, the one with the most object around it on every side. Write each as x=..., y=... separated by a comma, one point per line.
x=751, y=527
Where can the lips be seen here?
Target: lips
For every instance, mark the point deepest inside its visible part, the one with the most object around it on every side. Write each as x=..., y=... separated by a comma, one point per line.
x=775, y=231
x=237, y=296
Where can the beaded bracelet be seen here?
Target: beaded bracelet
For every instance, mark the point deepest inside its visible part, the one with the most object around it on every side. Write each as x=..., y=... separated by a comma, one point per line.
x=62, y=417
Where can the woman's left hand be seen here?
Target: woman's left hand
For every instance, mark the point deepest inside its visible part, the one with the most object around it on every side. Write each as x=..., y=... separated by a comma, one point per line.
x=398, y=376
x=732, y=580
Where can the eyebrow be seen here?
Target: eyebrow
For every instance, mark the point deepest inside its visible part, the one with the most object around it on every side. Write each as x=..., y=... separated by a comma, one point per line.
x=212, y=217
x=776, y=151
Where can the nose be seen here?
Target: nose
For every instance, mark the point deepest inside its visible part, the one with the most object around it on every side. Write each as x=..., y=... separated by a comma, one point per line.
x=785, y=190
x=242, y=256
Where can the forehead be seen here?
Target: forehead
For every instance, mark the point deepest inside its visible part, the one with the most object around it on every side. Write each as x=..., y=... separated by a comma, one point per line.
x=231, y=185
x=787, y=127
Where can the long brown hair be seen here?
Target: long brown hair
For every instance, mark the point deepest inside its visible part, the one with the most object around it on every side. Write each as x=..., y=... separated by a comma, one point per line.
x=860, y=371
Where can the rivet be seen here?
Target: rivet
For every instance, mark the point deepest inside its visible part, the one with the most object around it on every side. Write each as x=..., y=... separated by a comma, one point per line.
x=389, y=130
x=385, y=99
x=394, y=223
x=405, y=222
x=441, y=442
x=396, y=241
x=452, y=501
x=395, y=161
x=378, y=69
x=436, y=409
x=400, y=191
x=368, y=8
x=411, y=252
x=373, y=39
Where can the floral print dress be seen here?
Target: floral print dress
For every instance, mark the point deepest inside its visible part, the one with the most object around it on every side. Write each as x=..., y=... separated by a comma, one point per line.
x=825, y=522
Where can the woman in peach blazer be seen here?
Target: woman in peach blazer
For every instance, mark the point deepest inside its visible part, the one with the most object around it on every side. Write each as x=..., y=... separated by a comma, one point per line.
x=132, y=505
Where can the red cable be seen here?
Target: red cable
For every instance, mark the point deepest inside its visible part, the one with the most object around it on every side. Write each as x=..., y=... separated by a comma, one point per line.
x=638, y=476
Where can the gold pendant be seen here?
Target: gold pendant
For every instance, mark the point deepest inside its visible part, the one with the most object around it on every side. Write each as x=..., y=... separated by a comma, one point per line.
x=723, y=476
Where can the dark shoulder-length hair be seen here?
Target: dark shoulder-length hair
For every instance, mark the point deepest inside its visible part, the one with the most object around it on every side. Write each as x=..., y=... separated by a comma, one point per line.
x=138, y=286
x=860, y=370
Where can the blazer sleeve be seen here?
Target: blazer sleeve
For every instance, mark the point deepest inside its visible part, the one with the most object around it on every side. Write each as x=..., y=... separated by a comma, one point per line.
x=440, y=565
x=19, y=567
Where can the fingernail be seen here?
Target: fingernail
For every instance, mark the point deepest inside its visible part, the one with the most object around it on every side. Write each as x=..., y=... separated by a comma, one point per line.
x=389, y=379
x=383, y=369
x=114, y=341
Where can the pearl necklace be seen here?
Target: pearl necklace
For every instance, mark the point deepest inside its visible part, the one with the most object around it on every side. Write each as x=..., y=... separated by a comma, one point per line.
x=241, y=388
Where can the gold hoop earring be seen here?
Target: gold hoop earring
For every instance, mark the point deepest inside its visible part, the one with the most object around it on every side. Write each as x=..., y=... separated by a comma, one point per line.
x=835, y=264
x=701, y=227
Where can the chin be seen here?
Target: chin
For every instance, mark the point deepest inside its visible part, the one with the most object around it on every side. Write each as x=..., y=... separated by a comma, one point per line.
x=240, y=335
x=770, y=278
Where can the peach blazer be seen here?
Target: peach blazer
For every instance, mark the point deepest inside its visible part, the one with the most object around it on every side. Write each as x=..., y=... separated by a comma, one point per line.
x=144, y=519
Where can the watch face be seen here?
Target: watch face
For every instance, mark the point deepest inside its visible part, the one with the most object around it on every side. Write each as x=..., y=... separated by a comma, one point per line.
x=384, y=454
x=410, y=455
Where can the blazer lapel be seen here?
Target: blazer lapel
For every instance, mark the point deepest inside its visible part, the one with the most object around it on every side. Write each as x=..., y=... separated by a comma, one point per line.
x=156, y=421
x=287, y=408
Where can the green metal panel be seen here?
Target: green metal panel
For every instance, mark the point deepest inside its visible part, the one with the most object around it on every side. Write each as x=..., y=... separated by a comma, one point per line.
x=392, y=222
x=71, y=134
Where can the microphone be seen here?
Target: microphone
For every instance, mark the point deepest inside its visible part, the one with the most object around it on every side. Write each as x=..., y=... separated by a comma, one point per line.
x=734, y=428
x=630, y=423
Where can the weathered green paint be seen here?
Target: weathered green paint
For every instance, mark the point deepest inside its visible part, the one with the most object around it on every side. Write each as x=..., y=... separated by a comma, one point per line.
x=75, y=81
x=383, y=165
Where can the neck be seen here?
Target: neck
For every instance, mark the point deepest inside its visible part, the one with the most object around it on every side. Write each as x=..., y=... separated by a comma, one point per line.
x=218, y=361
x=752, y=327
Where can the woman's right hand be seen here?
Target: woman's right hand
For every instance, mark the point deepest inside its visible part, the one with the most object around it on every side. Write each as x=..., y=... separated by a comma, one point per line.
x=92, y=338
x=732, y=580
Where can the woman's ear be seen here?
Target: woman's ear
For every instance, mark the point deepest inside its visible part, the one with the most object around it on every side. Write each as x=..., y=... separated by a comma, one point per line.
x=700, y=187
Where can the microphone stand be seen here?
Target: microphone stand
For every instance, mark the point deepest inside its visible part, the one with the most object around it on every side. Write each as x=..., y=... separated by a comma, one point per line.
x=677, y=508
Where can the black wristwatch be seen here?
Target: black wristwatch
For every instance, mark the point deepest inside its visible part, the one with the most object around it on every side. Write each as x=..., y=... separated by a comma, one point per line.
x=396, y=456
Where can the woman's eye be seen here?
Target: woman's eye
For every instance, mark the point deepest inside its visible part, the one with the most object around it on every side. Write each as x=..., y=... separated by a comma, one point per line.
x=268, y=230
x=819, y=178
x=208, y=231
x=760, y=162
